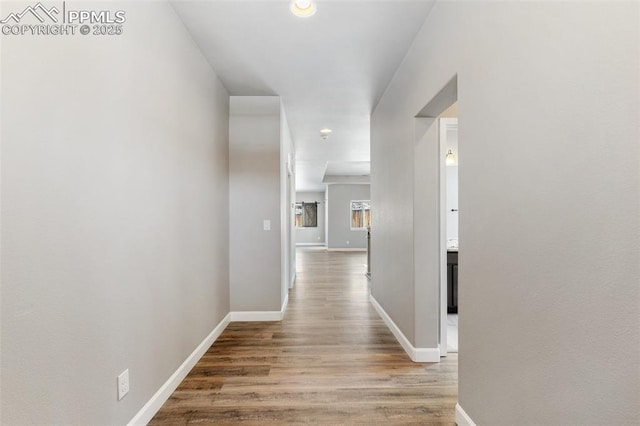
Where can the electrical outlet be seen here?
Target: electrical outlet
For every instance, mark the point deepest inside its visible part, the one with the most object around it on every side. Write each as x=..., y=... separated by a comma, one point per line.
x=123, y=384
x=347, y=242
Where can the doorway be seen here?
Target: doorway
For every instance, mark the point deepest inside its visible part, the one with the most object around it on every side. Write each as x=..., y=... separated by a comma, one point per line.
x=448, y=137
x=430, y=221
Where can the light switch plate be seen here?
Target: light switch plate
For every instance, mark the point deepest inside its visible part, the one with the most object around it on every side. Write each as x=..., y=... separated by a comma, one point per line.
x=267, y=225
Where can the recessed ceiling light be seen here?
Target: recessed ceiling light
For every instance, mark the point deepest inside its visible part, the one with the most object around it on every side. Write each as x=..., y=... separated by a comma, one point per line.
x=303, y=8
x=324, y=133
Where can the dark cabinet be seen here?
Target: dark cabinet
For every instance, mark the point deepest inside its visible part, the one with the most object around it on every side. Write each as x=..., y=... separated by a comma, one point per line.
x=452, y=282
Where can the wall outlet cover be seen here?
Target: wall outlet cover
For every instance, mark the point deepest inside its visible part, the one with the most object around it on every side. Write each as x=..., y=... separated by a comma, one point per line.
x=123, y=384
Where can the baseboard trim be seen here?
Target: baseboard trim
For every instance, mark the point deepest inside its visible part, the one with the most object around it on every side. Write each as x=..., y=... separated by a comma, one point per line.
x=150, y=409
x=427, y=354
x=257, y=316
x=283, y=310
x=347, y=249
x=293, y=281
x=462, y=418
x=416, y=354
x=310, y=244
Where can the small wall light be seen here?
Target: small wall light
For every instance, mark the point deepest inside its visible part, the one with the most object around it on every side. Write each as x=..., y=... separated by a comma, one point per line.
x=450, y=159
x=324, y=134
x=303, y=8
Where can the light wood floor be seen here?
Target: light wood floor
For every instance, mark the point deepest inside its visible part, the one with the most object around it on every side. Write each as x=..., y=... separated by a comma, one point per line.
x=330, y=361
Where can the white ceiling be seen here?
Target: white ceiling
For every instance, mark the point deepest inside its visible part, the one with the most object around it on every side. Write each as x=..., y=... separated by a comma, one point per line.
x=330, y=69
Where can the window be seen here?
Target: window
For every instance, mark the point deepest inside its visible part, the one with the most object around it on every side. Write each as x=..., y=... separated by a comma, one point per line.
x=360, y=214
x=306, y=215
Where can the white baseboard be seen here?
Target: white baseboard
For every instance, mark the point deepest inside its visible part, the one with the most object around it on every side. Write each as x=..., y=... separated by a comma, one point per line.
x=347, y=249
x=261, y=315
x=256, y=316
x=310, y=244
x=416, y=354
x=283, y=310
x=427, y=355
x=462, y=419
x=149, y=410
x=293, y=281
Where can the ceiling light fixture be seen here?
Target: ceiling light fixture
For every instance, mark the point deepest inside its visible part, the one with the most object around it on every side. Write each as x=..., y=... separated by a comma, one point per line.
x=303, y=8
x=450, y=160
x=324, y=133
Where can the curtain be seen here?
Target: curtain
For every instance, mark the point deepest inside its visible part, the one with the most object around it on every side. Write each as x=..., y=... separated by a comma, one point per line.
x=310, y=215
x=306, y=215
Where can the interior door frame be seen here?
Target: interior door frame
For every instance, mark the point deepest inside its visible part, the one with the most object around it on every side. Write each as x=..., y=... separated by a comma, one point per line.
x=443, y=100
x=443, y=126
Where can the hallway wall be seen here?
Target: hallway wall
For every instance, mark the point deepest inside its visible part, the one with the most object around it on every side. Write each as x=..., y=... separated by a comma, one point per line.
x=339, y=232
x=114, y=215
x=255, y=191
x=548, y=278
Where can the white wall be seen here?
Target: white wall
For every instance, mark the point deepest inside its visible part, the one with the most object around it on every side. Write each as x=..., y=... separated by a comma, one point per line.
x=424, y=297
x=308, y=236
x=114, y=215
x=288, y=196
x=548, y=114
x=339, y=232
x=255, y=185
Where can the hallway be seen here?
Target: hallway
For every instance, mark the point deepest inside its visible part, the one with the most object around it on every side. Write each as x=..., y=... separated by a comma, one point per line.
x=331, y=360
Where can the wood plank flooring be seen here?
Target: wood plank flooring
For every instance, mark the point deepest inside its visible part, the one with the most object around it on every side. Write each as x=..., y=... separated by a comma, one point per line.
x=330, y=361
